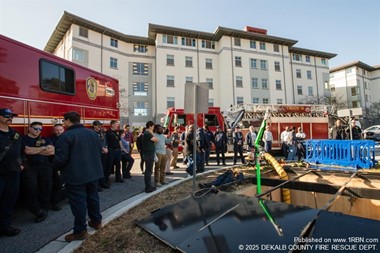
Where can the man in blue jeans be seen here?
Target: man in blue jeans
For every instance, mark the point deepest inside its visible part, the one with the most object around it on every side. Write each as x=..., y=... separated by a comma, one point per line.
x=78, y=157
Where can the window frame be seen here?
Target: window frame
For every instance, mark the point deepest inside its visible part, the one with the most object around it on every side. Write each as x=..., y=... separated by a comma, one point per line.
x=60, y=67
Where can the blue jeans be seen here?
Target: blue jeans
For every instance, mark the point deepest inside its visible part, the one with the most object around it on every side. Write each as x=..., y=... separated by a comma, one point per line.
x=9, y=187
x=82, y=198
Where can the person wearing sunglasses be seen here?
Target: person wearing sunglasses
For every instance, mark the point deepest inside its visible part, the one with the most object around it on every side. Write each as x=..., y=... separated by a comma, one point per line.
x=10, y=167
x=38, y=172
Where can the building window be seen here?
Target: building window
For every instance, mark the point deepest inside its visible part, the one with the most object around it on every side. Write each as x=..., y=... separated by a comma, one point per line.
x=354, y=91
x=264, y=83
x=279, y=101
x=323, y=61
x=170, y=102
x=298, y=73
x=189, y=61
x=252, y=44
x=114, y=43
x=239, y=82
x=189, y=79
x=278, y=85
x=277, y=66
x=262, y=46
x=169, y=39
x=255, y=100
x=78, y=55
x=276, y=48
x=240, y=100
x=308, y=74
x=208, y=63
x=253, y=63
x=208, y=44
x=140, y=108
x=188, y=42
x=210, y=102
x=140, y=69
x=254, y=83
x=113, y=63
x=355, y=104
x=332, y=88
x=297, y=57
x=307, y=58
x=83, y=32
x=299, y=90
x=365, y=85
x=265, y=100
x=310, y=91
x=210, y=82
x=263, y=64
x=169, y=81
x=56, y=78
x=170, y=60
x=237, y=42
x=237, y=61
x=140, y=48
x=140, y=89
x=366, y=98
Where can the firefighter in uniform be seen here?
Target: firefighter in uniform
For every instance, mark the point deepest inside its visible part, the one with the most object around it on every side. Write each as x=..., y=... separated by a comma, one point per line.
x=38, y=173
x=10, y=165
x=114, y=151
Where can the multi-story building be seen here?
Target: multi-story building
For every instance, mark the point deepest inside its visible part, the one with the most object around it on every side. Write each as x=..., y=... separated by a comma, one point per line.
x=240, y=66
x=355, y=85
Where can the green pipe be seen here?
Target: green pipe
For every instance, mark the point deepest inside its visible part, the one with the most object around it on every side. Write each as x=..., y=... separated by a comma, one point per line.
x=257, y=145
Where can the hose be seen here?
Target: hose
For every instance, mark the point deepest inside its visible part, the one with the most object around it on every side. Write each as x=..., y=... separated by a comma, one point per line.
x=281, y=172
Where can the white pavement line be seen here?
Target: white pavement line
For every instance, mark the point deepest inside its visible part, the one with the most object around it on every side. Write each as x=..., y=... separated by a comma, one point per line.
x=114, y=212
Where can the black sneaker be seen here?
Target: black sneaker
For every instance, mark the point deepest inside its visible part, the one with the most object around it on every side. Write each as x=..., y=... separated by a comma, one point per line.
x=56, y=207
x=104, y=186
x=41, y=216
x=119, y=180
x=10, y=231
x=150, y=189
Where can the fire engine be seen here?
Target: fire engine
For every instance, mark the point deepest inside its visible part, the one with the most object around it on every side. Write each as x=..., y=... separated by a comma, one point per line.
x=313, y=119
x=41, y=87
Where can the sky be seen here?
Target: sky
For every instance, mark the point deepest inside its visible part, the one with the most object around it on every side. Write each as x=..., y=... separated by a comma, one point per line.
x=348, y=28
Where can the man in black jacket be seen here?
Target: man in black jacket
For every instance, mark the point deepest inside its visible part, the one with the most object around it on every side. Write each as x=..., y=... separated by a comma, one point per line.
x=78, y=156
x=10, y=165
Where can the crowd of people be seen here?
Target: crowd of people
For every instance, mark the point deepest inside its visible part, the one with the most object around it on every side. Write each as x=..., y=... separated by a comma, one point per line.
x=76, y=162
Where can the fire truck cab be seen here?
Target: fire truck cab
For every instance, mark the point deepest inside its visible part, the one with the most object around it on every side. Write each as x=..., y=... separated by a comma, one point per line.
x=178, y=117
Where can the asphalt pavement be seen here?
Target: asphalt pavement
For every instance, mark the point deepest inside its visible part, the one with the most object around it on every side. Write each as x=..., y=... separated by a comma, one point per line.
x=48, y=236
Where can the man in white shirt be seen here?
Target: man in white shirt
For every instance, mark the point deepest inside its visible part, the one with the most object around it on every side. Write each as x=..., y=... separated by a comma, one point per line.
x=267, y=138
x=284, y=136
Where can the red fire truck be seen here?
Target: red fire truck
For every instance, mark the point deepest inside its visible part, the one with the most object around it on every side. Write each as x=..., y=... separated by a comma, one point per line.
x=41, y=87
x=312, y=118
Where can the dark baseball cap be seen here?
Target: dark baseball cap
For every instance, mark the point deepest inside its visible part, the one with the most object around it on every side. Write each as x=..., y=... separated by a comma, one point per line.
x=97, y=123
x=5, y=112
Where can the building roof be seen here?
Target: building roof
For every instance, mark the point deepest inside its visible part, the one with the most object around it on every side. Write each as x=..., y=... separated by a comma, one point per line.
x=358, y=64
x=68, y=19
x=298, y=50
x=219, y=32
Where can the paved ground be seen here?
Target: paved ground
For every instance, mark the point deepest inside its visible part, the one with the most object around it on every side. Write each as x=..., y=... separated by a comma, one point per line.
x=35, y=236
